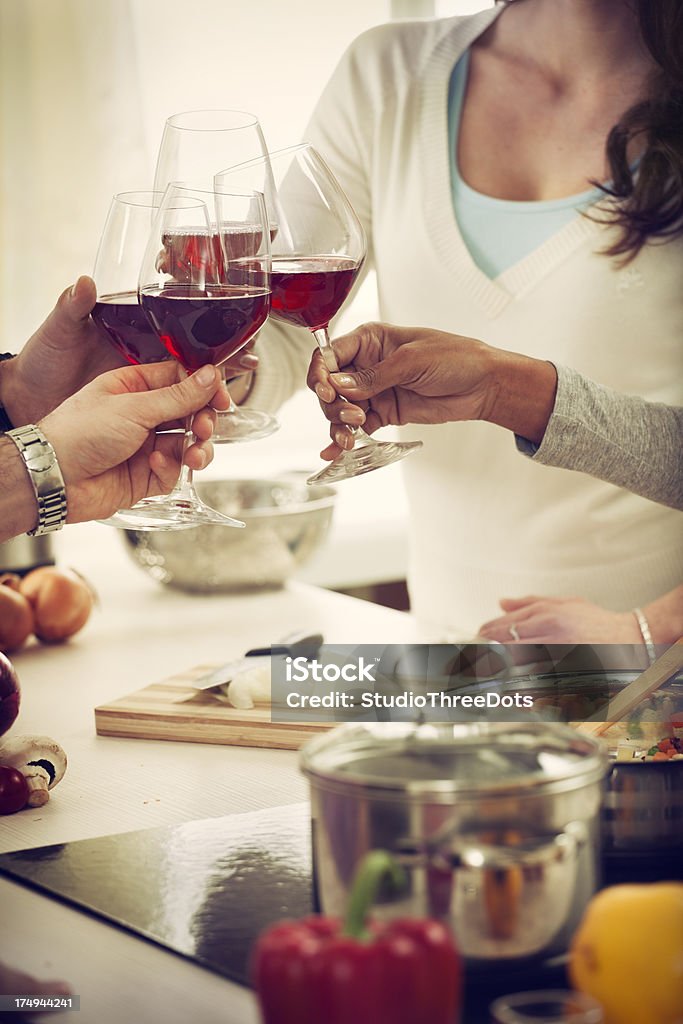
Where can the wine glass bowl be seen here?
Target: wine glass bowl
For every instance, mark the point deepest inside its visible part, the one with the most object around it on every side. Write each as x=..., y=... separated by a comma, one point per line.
x=117, y=311
x=318, y=250
x=309, y=290
x=205, y=298
x=194, y=145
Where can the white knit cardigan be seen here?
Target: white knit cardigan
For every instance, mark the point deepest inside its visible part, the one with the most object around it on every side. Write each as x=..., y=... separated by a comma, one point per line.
x=485, y=522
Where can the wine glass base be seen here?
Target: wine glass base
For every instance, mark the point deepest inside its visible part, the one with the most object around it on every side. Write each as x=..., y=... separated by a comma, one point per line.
x=243, y=425
x=166, y=512
x=363, y=459
x=128, y=519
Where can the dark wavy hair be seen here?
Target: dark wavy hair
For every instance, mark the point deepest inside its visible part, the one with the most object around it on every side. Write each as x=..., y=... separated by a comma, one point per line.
x=651, y=201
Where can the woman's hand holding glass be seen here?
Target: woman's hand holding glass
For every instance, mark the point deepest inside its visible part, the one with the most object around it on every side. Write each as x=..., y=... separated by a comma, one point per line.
x=318, y=247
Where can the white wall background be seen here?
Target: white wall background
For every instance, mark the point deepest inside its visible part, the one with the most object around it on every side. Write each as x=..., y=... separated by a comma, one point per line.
x=86, y=87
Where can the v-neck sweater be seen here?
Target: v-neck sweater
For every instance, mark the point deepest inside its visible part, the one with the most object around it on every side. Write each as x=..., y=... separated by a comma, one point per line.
x=500, y=232
x=485, y=523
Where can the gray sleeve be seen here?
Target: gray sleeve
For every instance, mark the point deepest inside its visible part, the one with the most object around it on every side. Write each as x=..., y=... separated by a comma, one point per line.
x=622, y=439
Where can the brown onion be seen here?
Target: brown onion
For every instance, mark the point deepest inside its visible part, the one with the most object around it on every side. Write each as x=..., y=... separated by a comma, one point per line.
x=16, y=614
x=61, y=601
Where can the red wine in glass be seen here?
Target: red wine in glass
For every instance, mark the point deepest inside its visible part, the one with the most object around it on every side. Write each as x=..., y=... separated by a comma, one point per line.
x=186, y=251
x=209, y=325
x=127, y=328
x=309, y=290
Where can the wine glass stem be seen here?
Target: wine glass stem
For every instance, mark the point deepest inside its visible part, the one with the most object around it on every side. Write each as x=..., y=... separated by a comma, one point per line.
x=184, y=485
x=330, y=360
x=232, y=407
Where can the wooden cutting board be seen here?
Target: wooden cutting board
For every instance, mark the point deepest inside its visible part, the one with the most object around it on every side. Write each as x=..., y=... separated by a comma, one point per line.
x=173, y=710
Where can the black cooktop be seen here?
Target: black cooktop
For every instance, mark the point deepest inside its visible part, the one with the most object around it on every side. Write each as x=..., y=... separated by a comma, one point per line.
x=206, y=889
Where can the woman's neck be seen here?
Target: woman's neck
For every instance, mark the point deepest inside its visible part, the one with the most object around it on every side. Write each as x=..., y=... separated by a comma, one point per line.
x=548, y=81
x=599, y=37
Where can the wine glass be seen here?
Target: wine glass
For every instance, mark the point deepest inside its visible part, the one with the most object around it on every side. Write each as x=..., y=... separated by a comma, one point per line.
x=318, y=248
x=194, y=145
x=547, y=1007
x=118, y=313
x=206, y=295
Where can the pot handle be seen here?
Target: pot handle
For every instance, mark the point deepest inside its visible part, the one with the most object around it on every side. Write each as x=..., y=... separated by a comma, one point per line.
x=467, y=854
x=489, y=869
x=535, y=850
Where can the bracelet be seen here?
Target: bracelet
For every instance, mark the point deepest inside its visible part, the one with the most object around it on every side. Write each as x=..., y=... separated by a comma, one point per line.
x=644, y=627
x=45, y=475
x=5, y=422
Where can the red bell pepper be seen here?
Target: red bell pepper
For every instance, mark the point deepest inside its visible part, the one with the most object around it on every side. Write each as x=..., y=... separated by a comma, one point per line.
x=319, y=970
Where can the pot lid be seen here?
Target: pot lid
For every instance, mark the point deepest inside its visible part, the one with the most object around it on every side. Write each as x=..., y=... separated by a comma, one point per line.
x=446, y=757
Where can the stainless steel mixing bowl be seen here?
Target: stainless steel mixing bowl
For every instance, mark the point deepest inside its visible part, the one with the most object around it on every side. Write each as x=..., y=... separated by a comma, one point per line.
x=286, y=522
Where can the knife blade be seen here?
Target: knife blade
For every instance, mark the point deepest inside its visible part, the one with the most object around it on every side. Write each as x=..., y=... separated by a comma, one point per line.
x=296, y=645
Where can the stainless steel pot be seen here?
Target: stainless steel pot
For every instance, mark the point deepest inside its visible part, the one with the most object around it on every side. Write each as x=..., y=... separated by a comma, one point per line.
x=498, y=825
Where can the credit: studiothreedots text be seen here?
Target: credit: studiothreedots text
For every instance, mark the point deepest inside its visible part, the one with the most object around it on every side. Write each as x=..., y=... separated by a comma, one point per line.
x=437, y=683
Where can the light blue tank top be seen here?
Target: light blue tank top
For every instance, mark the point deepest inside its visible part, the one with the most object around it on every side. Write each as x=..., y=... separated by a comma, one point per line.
x=501, y=232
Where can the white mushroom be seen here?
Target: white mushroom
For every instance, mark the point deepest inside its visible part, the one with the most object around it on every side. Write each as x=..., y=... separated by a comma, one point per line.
x=39, y=759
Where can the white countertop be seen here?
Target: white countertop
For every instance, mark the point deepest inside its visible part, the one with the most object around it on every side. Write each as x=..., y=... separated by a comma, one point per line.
x=142, y=633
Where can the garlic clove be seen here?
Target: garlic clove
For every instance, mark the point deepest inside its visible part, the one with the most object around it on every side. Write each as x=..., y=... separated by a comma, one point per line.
x=250, y=687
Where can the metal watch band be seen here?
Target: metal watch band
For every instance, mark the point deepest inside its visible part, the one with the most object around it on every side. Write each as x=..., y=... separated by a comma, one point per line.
x=46, y=477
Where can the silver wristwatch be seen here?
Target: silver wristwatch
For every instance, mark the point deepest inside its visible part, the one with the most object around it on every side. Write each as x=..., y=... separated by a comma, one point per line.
x=46, y=477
